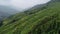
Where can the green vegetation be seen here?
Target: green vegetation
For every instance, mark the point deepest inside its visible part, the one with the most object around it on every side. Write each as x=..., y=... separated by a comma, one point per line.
x=43, y=21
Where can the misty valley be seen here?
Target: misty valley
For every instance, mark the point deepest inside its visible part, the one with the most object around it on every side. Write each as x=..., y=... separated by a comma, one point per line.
x=41, y=18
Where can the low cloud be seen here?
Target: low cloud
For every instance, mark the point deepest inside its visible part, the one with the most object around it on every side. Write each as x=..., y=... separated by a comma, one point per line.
x=22, y=3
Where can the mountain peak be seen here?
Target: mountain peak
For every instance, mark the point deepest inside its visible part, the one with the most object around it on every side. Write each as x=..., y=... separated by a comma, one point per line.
x=55, y=0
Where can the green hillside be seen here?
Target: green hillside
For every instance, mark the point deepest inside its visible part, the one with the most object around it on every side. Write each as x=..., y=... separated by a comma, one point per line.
x=43, y=21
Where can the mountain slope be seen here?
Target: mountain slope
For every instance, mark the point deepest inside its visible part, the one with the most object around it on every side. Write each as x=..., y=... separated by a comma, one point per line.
x=3, y=15
x=6, y=11
x=45, y=21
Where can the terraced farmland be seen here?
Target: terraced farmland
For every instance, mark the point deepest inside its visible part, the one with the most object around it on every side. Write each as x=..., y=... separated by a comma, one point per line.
x=46, y=21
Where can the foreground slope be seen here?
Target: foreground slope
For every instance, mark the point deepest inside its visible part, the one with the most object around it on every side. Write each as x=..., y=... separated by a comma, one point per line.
x=46, y=21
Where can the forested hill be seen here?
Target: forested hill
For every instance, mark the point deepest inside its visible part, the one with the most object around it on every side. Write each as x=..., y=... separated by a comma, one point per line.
x=45, y=20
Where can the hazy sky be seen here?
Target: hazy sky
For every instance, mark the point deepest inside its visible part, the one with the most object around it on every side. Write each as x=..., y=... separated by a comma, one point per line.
x=22, y=3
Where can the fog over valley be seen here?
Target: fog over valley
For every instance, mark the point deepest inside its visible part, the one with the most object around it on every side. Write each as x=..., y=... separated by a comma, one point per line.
x=10, y=7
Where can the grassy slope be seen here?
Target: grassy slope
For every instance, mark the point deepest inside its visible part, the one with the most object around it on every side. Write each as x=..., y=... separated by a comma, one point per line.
x=46, y=21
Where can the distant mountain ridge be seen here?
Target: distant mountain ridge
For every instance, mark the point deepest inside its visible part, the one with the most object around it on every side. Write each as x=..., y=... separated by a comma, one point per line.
x=6, y=11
